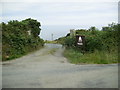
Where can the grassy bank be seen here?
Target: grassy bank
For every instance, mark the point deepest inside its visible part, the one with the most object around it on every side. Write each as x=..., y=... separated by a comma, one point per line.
x=53, y=42
x=98, y=57
x=13, y=57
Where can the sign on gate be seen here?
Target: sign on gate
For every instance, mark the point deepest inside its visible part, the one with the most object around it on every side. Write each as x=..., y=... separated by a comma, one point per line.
x=80, y=43
x=80, y=40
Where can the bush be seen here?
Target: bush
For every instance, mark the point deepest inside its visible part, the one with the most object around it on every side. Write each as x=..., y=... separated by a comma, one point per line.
x=70, y=41
x=101, y=46
x=17, y=41
x=106, y=39
x=93, y=43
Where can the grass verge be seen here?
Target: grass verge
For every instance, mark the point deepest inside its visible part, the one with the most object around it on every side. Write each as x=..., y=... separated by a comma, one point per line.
x=98, y=57
x=52, y=51
x=13, y=57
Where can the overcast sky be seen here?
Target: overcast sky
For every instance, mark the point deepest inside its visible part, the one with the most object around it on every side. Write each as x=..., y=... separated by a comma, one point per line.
x=59, y=16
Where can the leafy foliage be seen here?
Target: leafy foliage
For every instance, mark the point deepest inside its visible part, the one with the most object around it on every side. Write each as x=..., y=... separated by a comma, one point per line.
x=20, y=37
x=105, y=39
x=101, y=46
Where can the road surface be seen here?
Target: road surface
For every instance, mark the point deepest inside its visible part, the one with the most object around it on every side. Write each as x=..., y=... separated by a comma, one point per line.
x=47, y=68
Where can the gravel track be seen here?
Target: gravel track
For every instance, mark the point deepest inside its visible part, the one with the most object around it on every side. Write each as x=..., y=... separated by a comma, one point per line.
x=41, y=69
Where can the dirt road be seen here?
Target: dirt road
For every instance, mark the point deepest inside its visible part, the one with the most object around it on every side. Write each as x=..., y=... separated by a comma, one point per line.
x=47, y=68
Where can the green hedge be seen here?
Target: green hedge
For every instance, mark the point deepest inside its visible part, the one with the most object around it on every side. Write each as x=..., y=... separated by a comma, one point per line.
x=105, y=39
x=16, y=41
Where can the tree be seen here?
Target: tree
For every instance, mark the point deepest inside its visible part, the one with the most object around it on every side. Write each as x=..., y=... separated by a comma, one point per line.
x=33, y=26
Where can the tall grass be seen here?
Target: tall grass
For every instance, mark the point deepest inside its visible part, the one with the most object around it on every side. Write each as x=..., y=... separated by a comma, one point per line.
x=97, y=57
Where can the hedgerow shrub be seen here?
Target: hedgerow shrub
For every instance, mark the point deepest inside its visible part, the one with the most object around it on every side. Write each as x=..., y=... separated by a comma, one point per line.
x=20, y=37
x=105, y=39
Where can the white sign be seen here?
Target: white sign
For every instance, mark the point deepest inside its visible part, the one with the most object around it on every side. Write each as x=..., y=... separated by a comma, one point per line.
x=80, y=41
